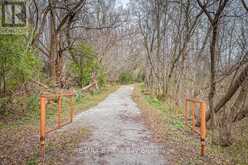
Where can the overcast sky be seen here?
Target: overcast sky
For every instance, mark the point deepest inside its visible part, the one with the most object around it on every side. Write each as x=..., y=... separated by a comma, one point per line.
x=123, y=2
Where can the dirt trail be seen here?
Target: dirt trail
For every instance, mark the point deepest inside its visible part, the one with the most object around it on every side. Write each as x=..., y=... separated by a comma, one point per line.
x=118, y=135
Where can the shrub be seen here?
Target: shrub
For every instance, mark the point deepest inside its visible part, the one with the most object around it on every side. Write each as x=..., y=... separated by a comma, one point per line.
x=140, y=77
x=125, y=78
x=84, y=63
x=17, y=63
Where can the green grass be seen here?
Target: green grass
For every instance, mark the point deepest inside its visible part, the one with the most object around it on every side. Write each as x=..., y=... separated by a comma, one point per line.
x=154, y=102
x=168, y=114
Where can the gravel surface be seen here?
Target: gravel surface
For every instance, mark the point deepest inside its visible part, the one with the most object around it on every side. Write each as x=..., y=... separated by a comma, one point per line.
x=118, y=135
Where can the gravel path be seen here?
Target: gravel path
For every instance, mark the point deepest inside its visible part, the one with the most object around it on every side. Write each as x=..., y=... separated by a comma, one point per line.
x=118, y=135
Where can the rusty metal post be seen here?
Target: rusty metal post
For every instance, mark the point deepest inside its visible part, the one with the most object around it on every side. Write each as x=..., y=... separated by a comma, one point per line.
x=42, y=127
x=186, y=112
x=193, y=116
x=59, y=111
x=203, y=127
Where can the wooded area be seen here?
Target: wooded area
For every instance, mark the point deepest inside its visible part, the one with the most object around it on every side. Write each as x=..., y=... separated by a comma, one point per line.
x=198, y=49
x=178, y=48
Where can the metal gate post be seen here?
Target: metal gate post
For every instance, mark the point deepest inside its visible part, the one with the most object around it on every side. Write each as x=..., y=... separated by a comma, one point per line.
x=186, y=112
x=193, y=116
x=203, y=128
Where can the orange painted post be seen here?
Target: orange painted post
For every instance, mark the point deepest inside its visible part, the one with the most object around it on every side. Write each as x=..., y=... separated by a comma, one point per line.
x=42, y=126
x=186, y=112
x=193, y=116
x=59, y=111
x=203, y=127
x=43, y=101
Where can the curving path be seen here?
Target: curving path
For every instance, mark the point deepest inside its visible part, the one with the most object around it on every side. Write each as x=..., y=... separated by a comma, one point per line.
x=118, y=135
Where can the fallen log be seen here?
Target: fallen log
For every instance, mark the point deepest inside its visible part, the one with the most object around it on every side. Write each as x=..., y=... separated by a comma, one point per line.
x=42, y=85
x=94, y=84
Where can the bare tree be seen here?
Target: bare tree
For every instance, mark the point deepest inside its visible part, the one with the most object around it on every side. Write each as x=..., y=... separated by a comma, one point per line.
x=214, y=21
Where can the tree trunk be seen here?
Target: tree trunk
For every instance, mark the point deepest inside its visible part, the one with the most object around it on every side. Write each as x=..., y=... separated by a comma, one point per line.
x=225, y=129
x=212, y=73
x=52, y=58
x=240, y=107
x=59, y=68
